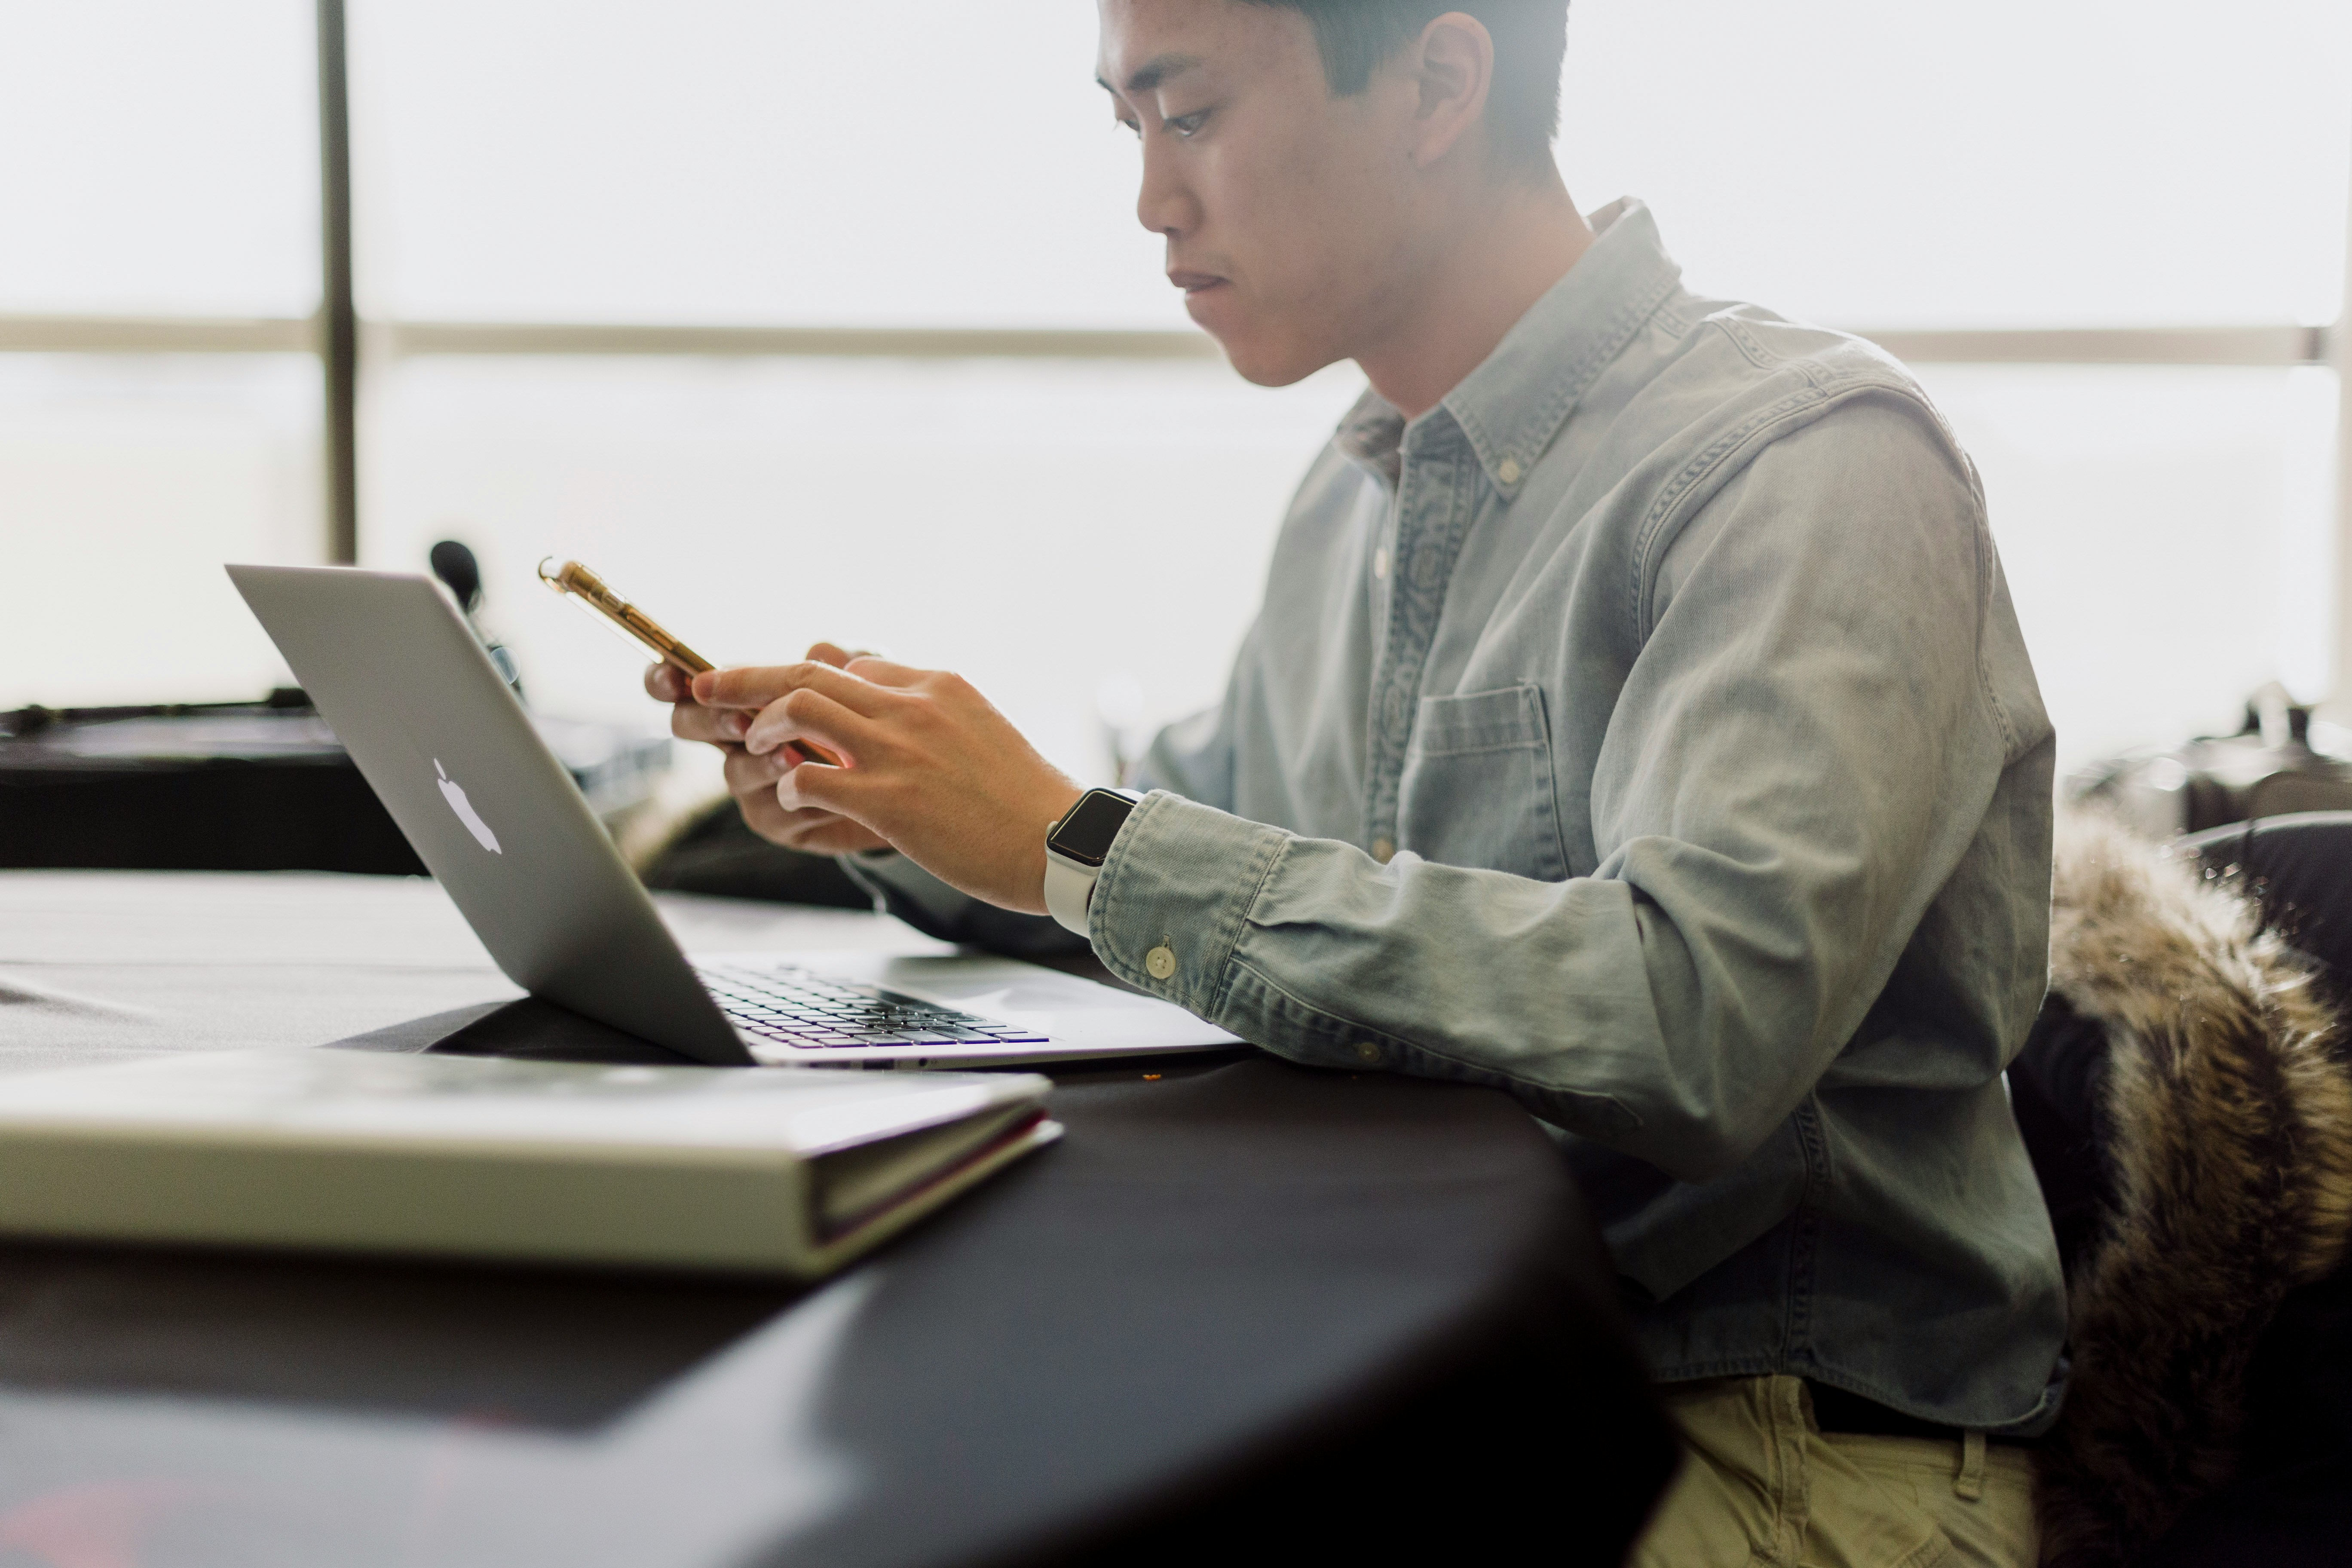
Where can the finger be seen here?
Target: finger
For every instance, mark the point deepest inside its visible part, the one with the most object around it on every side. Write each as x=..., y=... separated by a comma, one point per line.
x=666, y=683
x=812, y=831
x=749, y=774
x=714, y=726
x=812, y=786
x=751, y=771
x=832, y=653
x=765, y=817
x=757, y=686
x=809, y=715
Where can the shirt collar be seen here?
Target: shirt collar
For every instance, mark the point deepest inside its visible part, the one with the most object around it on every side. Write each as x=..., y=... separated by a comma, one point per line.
x=1511, y=406
x=1371, y=433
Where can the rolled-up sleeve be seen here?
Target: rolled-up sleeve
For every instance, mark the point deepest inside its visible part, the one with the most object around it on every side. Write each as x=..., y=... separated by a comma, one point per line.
x=1802, y=748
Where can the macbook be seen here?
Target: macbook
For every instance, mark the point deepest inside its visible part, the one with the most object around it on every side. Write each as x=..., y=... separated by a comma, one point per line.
x=436, y=733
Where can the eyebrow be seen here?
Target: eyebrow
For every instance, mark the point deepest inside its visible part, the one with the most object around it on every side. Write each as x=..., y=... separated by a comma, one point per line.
x=1154, y=71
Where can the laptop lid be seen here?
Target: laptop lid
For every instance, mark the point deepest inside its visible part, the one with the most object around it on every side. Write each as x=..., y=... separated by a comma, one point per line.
x=410, y=692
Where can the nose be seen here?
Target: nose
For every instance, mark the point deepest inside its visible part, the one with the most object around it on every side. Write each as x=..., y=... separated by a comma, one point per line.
x=1165, y=205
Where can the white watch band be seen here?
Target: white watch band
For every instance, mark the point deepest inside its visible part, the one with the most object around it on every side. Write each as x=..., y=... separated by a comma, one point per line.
x=1069, y=888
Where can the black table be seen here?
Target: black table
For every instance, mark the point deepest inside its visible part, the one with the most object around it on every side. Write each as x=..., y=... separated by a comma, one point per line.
x=1243, y=1308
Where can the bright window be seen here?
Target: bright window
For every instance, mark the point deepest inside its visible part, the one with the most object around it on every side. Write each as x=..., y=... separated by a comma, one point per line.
x=1044, y=527
x=2003, y=163
x=745, y=161
x=2165, y=533
x=161, y=157
x=1992, y=164
x=125, y=482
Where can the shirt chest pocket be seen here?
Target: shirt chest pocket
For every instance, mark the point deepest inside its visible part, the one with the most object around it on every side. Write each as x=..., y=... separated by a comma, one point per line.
x=1477, y=785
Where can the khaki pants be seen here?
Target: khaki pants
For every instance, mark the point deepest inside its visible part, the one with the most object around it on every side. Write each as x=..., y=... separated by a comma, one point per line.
x=1760, y=1483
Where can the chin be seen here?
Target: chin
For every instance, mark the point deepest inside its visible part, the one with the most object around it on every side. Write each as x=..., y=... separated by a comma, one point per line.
x=1270, y=363
x=1282, y=372
x=1266, y=353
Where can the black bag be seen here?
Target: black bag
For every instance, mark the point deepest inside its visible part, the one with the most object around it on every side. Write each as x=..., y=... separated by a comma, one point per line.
x=2269, y=768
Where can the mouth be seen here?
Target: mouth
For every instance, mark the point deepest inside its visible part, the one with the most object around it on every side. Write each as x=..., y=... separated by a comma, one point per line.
x=1195, y=282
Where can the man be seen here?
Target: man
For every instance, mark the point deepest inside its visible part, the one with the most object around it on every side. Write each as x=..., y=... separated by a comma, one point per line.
x=1636, y=721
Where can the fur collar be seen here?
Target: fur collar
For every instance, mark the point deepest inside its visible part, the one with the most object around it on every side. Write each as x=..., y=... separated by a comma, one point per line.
x=2229, y=1135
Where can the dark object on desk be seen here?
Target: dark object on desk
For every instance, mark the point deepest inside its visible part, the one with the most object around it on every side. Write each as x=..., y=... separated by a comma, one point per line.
x=259, y=786
x=715, y=853
x=2211, y=1420
x=1245, y=1311
x=2269, y=768
x=453, y=564
x=237, y=786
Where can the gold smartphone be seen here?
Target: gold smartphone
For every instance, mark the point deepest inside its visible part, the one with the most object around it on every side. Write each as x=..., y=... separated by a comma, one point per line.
x=571, y=577
x=575, y=581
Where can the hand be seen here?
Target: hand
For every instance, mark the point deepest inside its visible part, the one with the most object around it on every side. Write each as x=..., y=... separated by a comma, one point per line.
x=752, y=780
x=928, y=765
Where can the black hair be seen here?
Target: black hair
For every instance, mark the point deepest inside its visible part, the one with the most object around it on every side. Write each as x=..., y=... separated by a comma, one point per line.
x=1530, y=39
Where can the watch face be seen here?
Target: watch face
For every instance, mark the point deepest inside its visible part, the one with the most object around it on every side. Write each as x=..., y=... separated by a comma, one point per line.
x=1086, y=833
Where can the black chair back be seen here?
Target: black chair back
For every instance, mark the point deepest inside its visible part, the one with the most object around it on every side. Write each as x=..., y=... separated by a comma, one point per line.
x=2298, y=872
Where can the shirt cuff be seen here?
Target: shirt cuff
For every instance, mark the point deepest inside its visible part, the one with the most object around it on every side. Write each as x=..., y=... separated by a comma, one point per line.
x=1174, y=895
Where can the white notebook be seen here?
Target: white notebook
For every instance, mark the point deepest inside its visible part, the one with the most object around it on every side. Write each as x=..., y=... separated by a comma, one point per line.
x=775, y=1170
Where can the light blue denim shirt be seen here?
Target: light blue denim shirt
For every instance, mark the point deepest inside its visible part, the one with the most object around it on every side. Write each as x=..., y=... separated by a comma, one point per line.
x=1645, y=730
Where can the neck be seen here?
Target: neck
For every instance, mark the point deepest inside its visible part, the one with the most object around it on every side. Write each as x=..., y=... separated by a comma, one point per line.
x=1495, y=262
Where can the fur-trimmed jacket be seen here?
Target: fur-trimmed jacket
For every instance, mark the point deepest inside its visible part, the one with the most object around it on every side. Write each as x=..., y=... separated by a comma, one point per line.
x=2217, y=1174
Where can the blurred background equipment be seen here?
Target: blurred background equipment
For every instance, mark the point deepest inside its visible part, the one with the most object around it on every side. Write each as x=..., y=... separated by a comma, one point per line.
x=710, y=850
x=462, y=576
x=259, y=786
x=242, y=786
x=2280, y=762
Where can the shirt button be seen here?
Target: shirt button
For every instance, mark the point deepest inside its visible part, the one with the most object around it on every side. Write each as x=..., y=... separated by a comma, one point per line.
x=1507, y=471
x=1366, y=1051
x=1159, y=963
x=1382, y=849
x=1381, y=563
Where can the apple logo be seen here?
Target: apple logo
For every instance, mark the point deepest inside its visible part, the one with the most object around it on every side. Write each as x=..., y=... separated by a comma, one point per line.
x=466, y=811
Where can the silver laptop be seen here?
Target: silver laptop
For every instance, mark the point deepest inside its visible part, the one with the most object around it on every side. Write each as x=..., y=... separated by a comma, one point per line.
x=423, y=712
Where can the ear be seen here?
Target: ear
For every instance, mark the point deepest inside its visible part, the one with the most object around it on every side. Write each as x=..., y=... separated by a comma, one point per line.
x=1453, y=65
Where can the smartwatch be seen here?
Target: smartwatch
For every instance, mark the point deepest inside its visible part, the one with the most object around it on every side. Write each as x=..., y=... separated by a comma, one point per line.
x=1075, y=849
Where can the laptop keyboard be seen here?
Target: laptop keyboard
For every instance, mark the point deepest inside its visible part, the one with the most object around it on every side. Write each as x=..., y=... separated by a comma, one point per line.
x=793, y=1007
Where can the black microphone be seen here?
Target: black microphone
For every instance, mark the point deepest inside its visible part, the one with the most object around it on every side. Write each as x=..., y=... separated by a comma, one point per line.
x=462, y=574
x=455, y=565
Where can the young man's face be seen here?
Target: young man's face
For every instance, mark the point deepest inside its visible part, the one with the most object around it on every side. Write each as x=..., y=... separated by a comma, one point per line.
x=1289, y=214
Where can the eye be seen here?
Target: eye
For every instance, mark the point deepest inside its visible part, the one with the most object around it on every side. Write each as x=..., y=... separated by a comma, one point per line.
x=1184, y=125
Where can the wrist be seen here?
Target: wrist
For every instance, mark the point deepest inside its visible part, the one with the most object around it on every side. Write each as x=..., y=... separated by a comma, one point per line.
x=1074, y=848
x=1053, y=804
